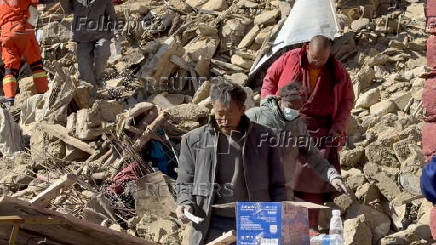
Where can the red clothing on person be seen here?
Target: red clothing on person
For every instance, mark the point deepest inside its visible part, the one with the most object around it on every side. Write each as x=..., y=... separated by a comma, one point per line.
x=293, y=65
x=18, y=39
x=326, y=109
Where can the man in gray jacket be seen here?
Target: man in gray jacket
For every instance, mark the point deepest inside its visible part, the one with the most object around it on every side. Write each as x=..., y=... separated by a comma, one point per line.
x=92, y=27
x=282, y=116
x=225, y=161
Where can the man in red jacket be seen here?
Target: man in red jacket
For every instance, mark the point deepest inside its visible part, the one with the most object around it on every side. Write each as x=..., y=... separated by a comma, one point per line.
x=328, y=99
x=18, y=39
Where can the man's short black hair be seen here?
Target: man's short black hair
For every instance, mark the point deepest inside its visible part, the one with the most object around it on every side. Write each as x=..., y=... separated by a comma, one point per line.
x=291, y=91
x=226, y=92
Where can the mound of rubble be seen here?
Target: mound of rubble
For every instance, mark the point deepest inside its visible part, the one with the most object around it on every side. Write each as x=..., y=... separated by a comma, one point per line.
x=158, y=90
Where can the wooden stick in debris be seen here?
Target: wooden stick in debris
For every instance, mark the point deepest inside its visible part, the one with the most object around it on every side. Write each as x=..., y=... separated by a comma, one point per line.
x=61, y=133
x=44, y=198
x=226, y=239
x=148, y=133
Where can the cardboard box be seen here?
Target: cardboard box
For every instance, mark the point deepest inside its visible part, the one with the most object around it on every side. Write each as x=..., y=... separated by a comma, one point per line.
x=273, y=223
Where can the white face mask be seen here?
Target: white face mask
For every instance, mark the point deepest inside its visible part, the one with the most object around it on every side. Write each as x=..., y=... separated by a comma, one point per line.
x=290, y=114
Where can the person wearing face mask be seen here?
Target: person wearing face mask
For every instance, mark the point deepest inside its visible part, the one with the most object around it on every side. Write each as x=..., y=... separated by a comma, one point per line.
x=328, y=97
x=225, y=161
x=280, y=113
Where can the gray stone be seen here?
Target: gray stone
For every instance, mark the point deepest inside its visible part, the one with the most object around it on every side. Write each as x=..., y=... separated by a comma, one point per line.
x=368, y=193
x=401, y=99
x=381, y=155
x=357, y=231
x=360, y=24
x=378, y=222
x=352, y=158
x=354, y=178
x=239, y=61
x=369, y=98
x=364, y=78
x=382, y=108
x=202, y=92
x=387, y=186
x=249, y=38
x=266, y=17
x=239, y=78
x=378, y=60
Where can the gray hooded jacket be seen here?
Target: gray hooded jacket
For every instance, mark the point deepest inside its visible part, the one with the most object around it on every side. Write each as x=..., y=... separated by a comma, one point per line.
x=293, y=136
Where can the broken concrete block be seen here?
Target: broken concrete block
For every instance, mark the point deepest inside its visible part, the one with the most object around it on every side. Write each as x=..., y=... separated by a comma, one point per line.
x=166, y=100
x=239, y=61
x=263, y=35
x=239, y=78
x=116, y=82
x=249, y=38
x=154, y=195
x=378, y=222
x=202, y=92
x=83, y=95
x=360, y=24
x=382, y=108
x=266, y=17
x=352, y=158
x=369, y=98
x=159, y=65
x=401, y=99
x=215, y=5
x=368, y=193
x=201, y=46
x=357, y=231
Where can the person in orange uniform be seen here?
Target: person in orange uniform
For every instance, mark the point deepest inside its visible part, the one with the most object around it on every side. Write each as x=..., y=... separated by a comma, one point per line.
x=18, y=39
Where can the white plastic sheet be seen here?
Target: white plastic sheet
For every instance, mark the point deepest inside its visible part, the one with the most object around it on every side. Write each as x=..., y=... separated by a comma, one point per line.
x=10, y=134
x=308, y=18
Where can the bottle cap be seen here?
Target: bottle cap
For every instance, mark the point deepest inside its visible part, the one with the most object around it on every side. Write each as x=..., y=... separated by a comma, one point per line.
x=336, y=212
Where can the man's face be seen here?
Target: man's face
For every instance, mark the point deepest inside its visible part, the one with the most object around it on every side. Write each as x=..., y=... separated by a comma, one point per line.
x=228, y=117
x=317, y=56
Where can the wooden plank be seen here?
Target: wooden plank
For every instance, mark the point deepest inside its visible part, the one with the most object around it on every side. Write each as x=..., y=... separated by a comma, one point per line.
x=226, y=239
x=73, y=231
x=61, y=133
x=30, y=220
x=43, y=199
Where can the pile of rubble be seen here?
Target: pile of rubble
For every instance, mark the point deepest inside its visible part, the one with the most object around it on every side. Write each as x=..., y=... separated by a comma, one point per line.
x=159, y=89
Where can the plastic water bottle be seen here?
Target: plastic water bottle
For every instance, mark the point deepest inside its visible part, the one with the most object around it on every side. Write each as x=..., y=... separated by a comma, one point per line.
x=336, y=227
x=324, y=239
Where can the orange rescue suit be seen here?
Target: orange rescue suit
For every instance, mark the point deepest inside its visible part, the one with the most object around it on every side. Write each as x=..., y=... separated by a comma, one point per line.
x=18, y=39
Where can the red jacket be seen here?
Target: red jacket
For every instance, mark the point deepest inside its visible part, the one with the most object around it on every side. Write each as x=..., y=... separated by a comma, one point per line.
x=293, y=64
x=15, y=10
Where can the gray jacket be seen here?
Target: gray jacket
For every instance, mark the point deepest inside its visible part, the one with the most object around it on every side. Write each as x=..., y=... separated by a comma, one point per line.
x=93, y=19
x=263, y=171
x=293, y=137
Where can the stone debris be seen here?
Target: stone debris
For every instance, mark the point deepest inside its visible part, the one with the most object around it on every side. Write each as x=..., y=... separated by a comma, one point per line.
x=105, y=134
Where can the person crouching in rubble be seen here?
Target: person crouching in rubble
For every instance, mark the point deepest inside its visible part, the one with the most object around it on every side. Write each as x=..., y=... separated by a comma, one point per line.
x=93, y=24
x=280, y=113
x=223, y=162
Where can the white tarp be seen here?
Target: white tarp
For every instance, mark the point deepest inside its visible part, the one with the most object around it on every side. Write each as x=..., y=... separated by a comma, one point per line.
x=10, y=134
x=308, y=18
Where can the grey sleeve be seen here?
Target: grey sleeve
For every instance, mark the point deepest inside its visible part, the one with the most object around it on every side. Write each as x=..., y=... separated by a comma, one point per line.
x=67, y=6
x=185, y=174
x=313, y=156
